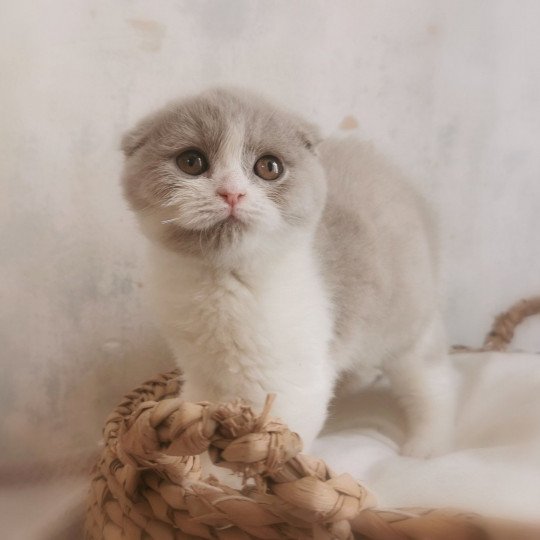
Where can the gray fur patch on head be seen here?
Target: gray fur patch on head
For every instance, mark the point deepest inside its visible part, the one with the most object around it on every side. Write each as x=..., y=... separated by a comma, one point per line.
x=232, y=128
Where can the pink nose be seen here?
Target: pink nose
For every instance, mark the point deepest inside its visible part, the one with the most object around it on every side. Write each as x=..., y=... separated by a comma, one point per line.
x=231, y=198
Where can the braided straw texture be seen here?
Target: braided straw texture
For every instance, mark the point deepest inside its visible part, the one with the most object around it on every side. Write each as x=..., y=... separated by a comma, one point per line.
x=149, y=484
x=502, y=331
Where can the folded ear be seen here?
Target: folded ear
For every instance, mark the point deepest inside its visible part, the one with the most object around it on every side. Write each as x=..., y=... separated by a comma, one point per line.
x=138, y=136
x=310, y=135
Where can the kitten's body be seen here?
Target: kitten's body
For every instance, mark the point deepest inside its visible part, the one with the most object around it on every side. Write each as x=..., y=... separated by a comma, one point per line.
x=258, y=328
x=347, y=287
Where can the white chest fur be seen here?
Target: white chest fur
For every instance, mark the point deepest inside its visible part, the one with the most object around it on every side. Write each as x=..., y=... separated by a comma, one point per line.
x=249, y=331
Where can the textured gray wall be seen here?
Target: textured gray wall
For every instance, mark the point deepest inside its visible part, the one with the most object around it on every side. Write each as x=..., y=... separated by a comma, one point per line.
x=449, y=89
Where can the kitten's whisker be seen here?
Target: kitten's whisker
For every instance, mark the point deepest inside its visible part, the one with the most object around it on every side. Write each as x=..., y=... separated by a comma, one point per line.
x=172, y=220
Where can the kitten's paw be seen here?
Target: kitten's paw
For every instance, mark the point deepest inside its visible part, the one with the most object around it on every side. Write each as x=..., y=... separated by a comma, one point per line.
x=426, y=447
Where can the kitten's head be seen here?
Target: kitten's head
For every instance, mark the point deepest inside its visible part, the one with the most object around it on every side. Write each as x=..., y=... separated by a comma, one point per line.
x=223, y=173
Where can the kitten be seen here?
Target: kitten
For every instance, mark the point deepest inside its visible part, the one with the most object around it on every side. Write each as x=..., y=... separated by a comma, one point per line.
x=280, y=262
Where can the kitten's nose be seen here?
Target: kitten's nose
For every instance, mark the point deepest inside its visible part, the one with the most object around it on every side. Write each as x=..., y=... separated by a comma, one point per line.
x=230, y=197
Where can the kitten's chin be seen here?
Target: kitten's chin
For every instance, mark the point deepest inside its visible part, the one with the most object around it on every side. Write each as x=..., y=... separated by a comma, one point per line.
x=225, y=236
x=230, y=237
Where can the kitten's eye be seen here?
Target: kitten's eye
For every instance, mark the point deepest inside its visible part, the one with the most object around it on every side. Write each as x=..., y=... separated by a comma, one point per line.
x=192, y=162
x=268, y=168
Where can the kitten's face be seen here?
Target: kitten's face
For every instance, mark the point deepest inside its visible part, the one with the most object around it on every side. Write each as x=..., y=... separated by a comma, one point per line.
x=221, y=173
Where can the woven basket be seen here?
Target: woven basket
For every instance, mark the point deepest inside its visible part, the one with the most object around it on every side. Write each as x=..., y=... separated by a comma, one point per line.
x=149, y=483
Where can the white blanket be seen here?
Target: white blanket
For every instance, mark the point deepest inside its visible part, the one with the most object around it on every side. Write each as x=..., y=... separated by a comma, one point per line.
x=494, y=468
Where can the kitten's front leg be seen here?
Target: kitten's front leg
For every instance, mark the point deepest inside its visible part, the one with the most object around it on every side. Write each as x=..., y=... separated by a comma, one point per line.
x=304, y=410
x=301, y=401
x=423, y=380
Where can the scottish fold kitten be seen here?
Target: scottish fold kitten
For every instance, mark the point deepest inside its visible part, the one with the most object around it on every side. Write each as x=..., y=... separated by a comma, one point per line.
x=280, y=263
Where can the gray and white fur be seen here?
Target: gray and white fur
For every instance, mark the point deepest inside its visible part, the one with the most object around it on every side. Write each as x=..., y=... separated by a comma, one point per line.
x=327, y=271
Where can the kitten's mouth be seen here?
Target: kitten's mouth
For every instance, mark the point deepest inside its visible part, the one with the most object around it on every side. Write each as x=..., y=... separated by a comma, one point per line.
x=224, y=234
x=232, y=224
x=234, y=220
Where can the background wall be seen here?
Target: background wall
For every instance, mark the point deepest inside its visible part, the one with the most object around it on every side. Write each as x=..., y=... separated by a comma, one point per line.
x=450, y=90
